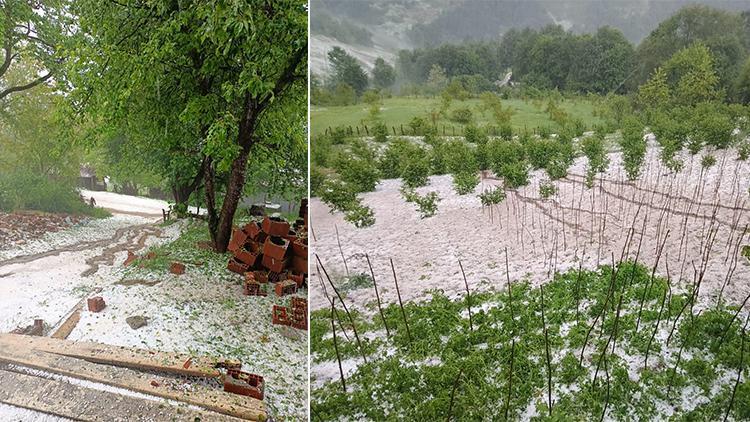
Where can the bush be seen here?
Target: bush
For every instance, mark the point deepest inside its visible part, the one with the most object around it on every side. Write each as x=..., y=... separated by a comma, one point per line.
x=320, y=150
x=507, y=159
x=515, y=174
x=380, y=132
x=317, y=179
x=492, y=197
x=593, y=149
x=506, y=132
x=708, y=161
x=360, y=215
x=427, y=205
x=474, y=135
x=25, y=190
x=459, y=157
x=338, y=195
x=415, y=173
x=547, y=189
x=633, y=147
x=462, y=115
x=396, y=156
x=464, y=182
x=418, y=125
x=359, y=174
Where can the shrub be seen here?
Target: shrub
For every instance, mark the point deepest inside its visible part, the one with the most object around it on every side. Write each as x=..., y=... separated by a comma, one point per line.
x=338, y=195
x=515, y=174
x=506, y=132
x=338, y=135
x=593, y=149
x=462, y=115
x=464, y=182
x=359, y=174
x=459, y=157
x=507, y=159
x=427, y=205
x=320, y=150
x=547, y=189
x=415, y=173
x=398, y=153
x=492, y=197
x=474, y=135
x=380, y=132
x=633, y=147
x=317, y=179
x=418, y=125
x=708, y=161
x=25, y=190
x=360, y=215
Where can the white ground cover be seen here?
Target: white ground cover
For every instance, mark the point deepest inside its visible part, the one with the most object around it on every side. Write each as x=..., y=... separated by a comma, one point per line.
x=542, y=235
x=202, y=311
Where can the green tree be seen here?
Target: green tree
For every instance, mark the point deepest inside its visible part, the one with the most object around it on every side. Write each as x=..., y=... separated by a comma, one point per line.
x=437, y=80
x=347, y=70
x=236, y=72
x=383, y=75
x=36, y=32
x=723, y=33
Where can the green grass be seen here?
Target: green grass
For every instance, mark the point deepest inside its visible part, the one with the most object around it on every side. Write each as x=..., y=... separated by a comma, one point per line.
x=415, y=379
x=399, y=110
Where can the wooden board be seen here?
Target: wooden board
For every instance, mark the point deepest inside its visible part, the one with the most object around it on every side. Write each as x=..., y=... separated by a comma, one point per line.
x=201, y=395
x=81, y=403
x=67, y=327
x=175, y=363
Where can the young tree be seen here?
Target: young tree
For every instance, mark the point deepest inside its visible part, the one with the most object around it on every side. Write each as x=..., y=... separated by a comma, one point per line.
x=437, y=81
x=383, y=74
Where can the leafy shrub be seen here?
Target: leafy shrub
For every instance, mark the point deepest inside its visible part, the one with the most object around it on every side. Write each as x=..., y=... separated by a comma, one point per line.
x=462, y=115
x=320, y=150
x=317, y=178
x=380, y=132
x=547, y=190
x=360, y=215
x=415, y=172
x=459, y=157
x=418, y=125
x=743, y=151
x=708, y=161
x=338, y=135
x=633, y=147
x=464, y=182
x=543, y=131
x=26, y=190
x=474, y=135
x=507, y=160
x=338, y=195
x=427, y=205
x=593, y=149
x=492, y=197
x=396, y=156
x=506, y=132
x=359, y=174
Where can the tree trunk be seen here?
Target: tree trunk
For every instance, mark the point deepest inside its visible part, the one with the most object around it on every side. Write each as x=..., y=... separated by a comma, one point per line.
x=232, y=197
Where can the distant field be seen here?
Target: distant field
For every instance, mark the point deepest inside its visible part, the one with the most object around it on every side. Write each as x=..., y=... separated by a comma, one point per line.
x=398, y=111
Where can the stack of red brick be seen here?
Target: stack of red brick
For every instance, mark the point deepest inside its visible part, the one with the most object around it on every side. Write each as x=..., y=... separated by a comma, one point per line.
x=270, y=251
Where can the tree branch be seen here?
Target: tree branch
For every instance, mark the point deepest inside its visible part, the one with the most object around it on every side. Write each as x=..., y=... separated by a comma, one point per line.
x=29, y=85
x=288, y=76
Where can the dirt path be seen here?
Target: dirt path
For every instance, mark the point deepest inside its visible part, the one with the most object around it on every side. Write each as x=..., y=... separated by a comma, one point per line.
x=76, y=247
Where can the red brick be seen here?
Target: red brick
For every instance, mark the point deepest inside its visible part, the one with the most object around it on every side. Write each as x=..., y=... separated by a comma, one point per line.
x=299, y=264
x=177, y=268
x=237, y=266
x=243, y=383
x=276, y=247
x=272, y=264
x=280, y=315
x=275, y=226
x=96, y=304
x=286, y=287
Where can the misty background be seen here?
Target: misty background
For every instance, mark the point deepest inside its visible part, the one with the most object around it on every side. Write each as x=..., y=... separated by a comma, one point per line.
x=371, y=29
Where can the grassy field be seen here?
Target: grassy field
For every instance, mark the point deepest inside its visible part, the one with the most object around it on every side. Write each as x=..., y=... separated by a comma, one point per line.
x=398, y=111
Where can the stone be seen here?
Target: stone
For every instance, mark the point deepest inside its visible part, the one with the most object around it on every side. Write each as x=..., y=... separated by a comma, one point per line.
x=136, y=322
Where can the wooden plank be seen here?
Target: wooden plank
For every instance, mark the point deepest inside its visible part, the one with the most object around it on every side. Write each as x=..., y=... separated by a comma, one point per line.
x=175, y=363
x=67, y=327
x=157, y=385
x=81, y=403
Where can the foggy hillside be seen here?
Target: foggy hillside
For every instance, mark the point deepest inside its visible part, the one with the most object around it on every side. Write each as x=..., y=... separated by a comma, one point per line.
x=381, y=28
